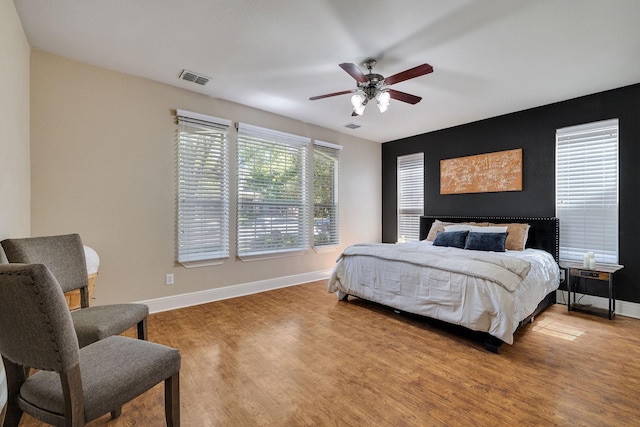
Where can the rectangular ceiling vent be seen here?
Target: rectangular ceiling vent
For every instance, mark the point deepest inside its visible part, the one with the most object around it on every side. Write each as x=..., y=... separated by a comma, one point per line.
x=190, y=76
x=352, y=126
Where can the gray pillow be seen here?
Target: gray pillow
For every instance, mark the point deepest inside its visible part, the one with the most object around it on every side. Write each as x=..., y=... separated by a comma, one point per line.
x=486, y=241
x=454, y=239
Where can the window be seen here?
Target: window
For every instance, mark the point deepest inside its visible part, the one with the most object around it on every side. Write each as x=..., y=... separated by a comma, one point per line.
x=203, y=188
x=587, y=190
x=410, y=196
x=326, y=175
x=272, y=192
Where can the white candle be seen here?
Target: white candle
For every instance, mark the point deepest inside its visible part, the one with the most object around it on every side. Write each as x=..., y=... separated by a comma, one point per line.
x=586, y=261
x=592, y=263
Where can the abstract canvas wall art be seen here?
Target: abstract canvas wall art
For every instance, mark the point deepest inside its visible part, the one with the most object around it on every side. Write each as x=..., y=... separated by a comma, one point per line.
x=482, y=173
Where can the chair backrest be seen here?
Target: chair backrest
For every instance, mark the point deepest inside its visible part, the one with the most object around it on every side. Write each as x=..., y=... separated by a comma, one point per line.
x=63, y=255
x=36, y=329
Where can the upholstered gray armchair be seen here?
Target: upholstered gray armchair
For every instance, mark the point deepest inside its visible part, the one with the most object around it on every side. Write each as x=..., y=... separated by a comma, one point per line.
x=72, y=385
x=64, y=256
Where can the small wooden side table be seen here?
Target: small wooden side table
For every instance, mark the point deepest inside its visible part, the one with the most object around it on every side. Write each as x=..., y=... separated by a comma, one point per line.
x=602, y=273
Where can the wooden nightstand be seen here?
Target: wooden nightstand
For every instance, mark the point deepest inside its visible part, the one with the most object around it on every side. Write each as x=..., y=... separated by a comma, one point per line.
x=601, y=273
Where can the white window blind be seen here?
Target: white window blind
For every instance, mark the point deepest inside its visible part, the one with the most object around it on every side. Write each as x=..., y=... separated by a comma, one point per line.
x=272, y=192
x=203, y=188
x=410, y=196
x=326, y=178
x=587, y=190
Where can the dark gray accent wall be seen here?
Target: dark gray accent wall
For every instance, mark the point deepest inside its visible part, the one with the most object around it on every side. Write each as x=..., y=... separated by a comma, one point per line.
x=532, y=130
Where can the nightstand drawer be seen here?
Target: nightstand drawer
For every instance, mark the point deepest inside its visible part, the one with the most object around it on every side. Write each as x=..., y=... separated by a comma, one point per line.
x=590, y=274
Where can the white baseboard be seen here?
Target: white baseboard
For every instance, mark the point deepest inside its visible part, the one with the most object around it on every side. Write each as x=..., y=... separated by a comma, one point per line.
x=623, y=308
x=201, y=297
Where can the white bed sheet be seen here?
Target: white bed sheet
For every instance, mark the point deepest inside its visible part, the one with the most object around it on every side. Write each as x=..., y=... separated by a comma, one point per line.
x=477, y=303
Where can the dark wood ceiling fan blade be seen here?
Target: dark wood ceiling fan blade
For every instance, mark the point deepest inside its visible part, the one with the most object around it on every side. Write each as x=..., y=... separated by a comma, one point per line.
x=411, y=73
x=404, y=97
x=354, y=72
x=344, y=92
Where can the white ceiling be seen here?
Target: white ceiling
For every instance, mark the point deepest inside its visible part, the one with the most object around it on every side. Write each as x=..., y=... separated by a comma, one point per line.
x=490, y=57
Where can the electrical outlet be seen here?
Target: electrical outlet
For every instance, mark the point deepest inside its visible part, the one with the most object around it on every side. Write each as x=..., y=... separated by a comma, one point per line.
x=169, y=279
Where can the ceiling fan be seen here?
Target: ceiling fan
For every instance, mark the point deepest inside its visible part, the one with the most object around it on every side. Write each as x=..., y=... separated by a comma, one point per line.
x=374, y=86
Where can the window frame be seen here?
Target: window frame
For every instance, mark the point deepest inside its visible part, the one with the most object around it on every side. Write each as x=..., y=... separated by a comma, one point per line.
x=410, y=196
x=202, y=222
x=294, y=206
x=330, y=152
x=587, y=177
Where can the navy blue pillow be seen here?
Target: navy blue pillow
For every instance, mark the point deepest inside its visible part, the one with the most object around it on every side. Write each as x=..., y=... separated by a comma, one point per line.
x=455, y=239
x=486, y=241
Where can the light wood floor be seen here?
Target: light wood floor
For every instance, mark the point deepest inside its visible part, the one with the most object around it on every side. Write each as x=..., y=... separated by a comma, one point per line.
x=298, y=357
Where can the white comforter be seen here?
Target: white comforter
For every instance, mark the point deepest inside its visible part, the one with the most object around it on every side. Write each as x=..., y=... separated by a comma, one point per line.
x=483, y=291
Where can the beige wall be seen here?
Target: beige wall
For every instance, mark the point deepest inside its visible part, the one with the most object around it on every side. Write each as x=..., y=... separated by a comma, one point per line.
x=103, y=161
x=14, y=124
x=14, y=135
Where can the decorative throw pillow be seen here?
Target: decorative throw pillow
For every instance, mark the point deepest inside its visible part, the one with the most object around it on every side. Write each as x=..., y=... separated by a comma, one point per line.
x=517, y=237
x=454, y=239
x=457, y=227
x=435, y=227
x=493, y=242
x=488, y=229
x=440, y=226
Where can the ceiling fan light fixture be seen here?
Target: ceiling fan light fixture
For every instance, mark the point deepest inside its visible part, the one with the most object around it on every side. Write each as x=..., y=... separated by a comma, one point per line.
x=357, y=100
x=383, y=98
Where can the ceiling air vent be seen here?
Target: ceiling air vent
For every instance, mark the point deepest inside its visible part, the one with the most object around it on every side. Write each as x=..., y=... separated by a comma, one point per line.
x=190, y=76
x=352, y=126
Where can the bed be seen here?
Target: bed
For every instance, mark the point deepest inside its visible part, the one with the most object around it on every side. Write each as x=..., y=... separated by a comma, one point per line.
x=491, y=293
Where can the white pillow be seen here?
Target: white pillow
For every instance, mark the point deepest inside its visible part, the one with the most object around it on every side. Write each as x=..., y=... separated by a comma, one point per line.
x=487, y=229
x=458, y=227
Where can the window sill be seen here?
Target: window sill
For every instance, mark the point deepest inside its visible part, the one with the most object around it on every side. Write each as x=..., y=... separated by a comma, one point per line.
x=325, y=249
x=202, y=263
x=271, y=255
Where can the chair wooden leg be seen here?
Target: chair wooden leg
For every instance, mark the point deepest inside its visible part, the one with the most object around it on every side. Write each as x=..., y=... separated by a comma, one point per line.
x=172, y=400
x=15, y=379
x=116, y=413
x=73, y=397
x=142, y=329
